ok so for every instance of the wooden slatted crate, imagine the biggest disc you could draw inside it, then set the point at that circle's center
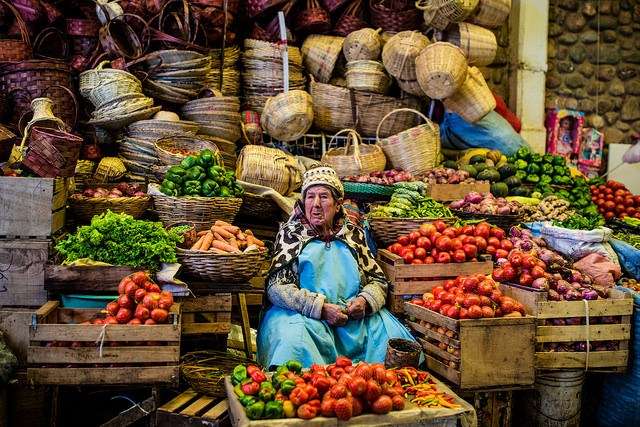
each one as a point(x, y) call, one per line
point(619, 307)
point(409, 280)
point(32, 207)
point(450, 192)
point(194, 410)
point(130, 354)
point(22, 265)
point(67, 278)
point(478, 353)
point(210, 314)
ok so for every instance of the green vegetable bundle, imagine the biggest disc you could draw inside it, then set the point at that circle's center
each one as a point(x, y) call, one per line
point(201, 175)
point(632, 239)
point(119, 239)
point(408, 201)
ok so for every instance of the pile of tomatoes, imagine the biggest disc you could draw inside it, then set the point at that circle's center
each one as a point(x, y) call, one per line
point(140, 301)
point(614, 200)
point(470, 297)
point(436, 242)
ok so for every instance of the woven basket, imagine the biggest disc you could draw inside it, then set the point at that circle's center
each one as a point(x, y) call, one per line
point(206, 370)
point(354, 158)
point(432, 15)
point(82, 27)
point(93, 78)
point(202, 211)
point(441, 69)
point(320, 53)
point(257, 7)
point(491, 13)
point(387, 230)
point(333, 5)
point(52, 153)
point(456, 10)
point(254, 206)
point(269, 167)
point(288, 116)
point(411, 87)
point(414, 150)
point(368, 192)
point(109, 169)
point(400, 52)
point(85, 208)
point(478, 44)
point(14, 50)
point(155, 129)
point(83, 173)
point(368, 76)
point(394, 17)
point(362, 44)
point(114, 90)
point(219, 268)
point(313, 19)
point(474, 99)
point(351, 20)
point(163, 148)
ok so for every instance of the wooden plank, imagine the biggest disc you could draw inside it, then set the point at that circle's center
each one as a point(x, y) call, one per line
point(110, 355)
point(578, 360)
point(217, 411)
point(61, 332)
point(59, 278)
point(208, 303)
point(26, 206)
point(430, 316)
point(579, 333)
point(434, 349)
point(443, 370)
point(197, 406)
point(46, 309)
point(605, 307)
point(431, 333)
point(179, 401)
point(105, 376)
point(132, 414)
point(206, 328)
point(22, 263)
point(251, 298)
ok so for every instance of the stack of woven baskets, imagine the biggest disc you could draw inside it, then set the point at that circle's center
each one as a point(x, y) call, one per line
point(117, 97)
point(320, 54)
point(217, 116)
point(364, 70)
point(263, 73)
point(229, 82)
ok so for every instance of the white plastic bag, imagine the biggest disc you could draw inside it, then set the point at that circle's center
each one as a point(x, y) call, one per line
point(577, 244)
point(632, 155)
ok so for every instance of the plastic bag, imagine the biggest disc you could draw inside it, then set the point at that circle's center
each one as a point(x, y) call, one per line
point(577, 244)
point(600, 268)
point(632, 155)
point(492, 131)
point(629, 257)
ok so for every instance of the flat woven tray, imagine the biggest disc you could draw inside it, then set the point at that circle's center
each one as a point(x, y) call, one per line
point(366, 191)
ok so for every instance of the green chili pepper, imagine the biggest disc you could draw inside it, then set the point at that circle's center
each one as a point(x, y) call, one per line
point(273, 410)
point(237, 389)
point(294, 366)
point(239, 374)
point(255, 411)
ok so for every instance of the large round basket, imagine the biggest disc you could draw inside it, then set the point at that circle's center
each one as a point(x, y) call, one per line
point(414, 150)
point(387, 230)
point(202, 211)
point(364, 44)
point(503, 221)
point(269, 167)
point(288, 116)
point(255, 206)
point(442, 69)
point(165, 148)
point(320, 54)
point(205, 370)
point(474, 99)
point(400, 52)
point(354, 158)
point(491, 13)
point(85, 208)
point(219, 268)
point(478, 44)
point(367, 76)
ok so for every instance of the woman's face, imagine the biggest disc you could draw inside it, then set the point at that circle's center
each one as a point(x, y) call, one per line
point(319, 206)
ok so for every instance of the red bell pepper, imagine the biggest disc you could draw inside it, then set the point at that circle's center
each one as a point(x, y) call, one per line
point(258, 376)
point(250, 388)
point(298, 396)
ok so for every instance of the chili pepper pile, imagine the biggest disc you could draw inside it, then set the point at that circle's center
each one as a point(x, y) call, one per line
point(421, 390)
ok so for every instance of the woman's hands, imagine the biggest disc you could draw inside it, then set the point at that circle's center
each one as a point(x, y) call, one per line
point(357, 307)
point(333, 314)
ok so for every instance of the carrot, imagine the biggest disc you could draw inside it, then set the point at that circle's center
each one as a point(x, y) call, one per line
point(248, 232)
point(219, 223)
point(217, 244)
point(206, 243)
point(231, 229)
point(233, 242)
point(198, 244)
point(222, 231)
point(202, 233)
point(255, 241)
point(241, 236)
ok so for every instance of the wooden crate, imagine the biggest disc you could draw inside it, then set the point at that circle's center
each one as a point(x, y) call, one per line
point(65, 278)
point(493, 353)
point(619, 305)
point(126, 356)
point(22, 264)
point(14, 324)
point(409, 280)
point(194, 410)
point(210, 314)
point(450, 192)
point(32, 207)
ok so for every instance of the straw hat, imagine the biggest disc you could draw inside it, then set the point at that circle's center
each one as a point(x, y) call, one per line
point(322, 175)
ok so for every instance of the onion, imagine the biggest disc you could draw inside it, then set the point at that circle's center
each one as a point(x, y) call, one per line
point(576, 276)
point(473, 197)
point(458, 204)
point(501, 262)
point(562, 287)
point(553, 295)
point(503, 210)
point(540, 283)
point(589, 294)
point(139, 194)
point(116, 192)
point(575, 285)
point(515, 232)
point(88, 192)
point(123, 187)
point(572, 295)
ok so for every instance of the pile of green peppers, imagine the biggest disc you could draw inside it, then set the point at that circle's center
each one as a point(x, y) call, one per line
point(202, 175)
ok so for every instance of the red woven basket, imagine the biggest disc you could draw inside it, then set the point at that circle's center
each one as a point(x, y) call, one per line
point(394, 15)
point(14, 50)
point(82, 27)
point(313, 19)
point(332, 5)
point(52, 152)
point(351, 19)
point(257, 7)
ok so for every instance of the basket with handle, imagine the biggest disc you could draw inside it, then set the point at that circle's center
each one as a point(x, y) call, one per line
point(113, 89)
point(362, 44)
point(351, 19)
point(411, 87)
point(491, 13)
point(441, 69)
point(474, 99)
point(52, 153)
point(90, 79)
point(84, 208)
point(368, 76)
point(269, 167)
point(414, 150)
point(313, 19)
point(109, 169)
point(478, 44)
point(354, 158)
point(194, 145)
point(14, 50)
point(393, 16)
point(400, 52)
point(438, 14)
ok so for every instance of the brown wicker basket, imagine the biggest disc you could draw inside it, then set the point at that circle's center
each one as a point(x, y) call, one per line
point(354, 158)
point(269, 167)
point(218, 268)
point(394, 16)
point(362, 44)
point(14, 50)
point(320, 54)
point(351, 19)
point(288, 116)
point(52, 153)
point(164, 145)
point(387, 230)
point(400, 52)
point(442, 69)
point(202, 211)
point(255, 206)
point(491, 13)
point(478, 44)
point(85, 208)
point(206, 370)
point(474, 99)
point(313, 19)
point(368, 76)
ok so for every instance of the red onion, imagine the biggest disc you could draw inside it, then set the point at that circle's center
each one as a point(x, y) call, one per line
point(540, 283)
point(553, 295)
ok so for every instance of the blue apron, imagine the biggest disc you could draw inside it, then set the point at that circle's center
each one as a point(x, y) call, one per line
point(286, 334)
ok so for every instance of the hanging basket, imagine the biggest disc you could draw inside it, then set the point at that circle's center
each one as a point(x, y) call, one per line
point(478, 44)
point(52, 153)
point(351, 19)
point(364, 44)
point(313, 19)
point(491, 13)
point(400, 52)
point(474, 99)
point(354, 158)
point(269, 167)
point(320, 54)
point(394, 16)
point(441, 70)
point(414, 150)
point(15, 50)
point(288, 116)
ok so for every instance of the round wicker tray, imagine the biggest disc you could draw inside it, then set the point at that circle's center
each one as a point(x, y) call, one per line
point(503, 221)
point(387, 230)
point(202, 211)
point(231, 268)
point(85, 208)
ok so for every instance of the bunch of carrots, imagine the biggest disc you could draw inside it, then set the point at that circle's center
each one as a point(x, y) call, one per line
point(224, 238)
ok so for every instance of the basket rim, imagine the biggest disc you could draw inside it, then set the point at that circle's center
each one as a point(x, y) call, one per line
point(188, 252)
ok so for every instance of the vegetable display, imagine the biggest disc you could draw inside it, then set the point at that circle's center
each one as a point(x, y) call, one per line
point(632, 239)
point(448, 176)
point(383, 178)
point(614, 200)
point(538, 169)
point(470, 297)
point(421, 390)
point(119, 239)
point(121, 190)
point(475, 202)
point(579, 222)
point(438, 243)
point(201, 175)
point(224, 238)
point(409, 201)
point(140, 301)
point(551, 208)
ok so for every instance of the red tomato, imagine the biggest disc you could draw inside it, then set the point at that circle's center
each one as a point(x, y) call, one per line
point(395, 248)
point(456, 244)
point(498, 274)
point(413, 236)
point(475, 312)
point(434, 237)
point(526, 279)
point(403, 240)
point(491, 250)
point(471, 251)
point(444, 308)
point(487, 311)
point(471, 299)
point(481, 243)
point(609, 215)
point(528, 261)
point(631, 211)
point(440, 225)
point(453, 312)
point(464, 313)
point(493, 241)
point(423, 242)
point(429, 260)
point(459, 256)
point(417, 261)
point(501, 253)
point(497, 232)
point(436, 305)
point(628, 201)
point(437, 291)
point(619, 193)
point(484, 288)
point(483, 229)
point(470, 284)
point(427, 229)
point(469, 240)
point(506, 244)
point(620, 209)
point(485, 301)
point(537, 271)
point(467, 229)
point(448, 298)
point(618, 199)
point(443, 258)
point(450, 232)
point(443, 243)
point(509, 272)
point(449, 284)
point(420, 253)
point(408, 256)
point(515, 259)
point(417, 301)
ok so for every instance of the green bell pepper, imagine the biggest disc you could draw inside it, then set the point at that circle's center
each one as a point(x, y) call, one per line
point(532, 178)
point(523, 153)
point(565, 180)
point(560, 170)
point(267, 392)
point(564, 194)
point(521, 164)
point(559, 161)
point(282, 369)
point(169, 191)
point(286, 386)
point(191, 188)
point(215, 172)
point(255, 411)
point(175, 174)
point(294, 366)
point(196, 173)
point(547, 169)
point(521, 174)
point(237, 189)
point(535, 158)
point(547, 158)
point(239, 374)
point(206, 158)
point(533, 168)
point(210, 188)
point(189, 162)
point(224, 192)
point(545, 179)
point(278, 380)
point(248, 401)
point(273, 410)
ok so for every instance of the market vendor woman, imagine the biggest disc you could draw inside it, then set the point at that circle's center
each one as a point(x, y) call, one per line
point(326, 291)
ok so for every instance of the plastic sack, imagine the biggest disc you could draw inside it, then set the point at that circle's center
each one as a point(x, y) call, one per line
point(628, 256)
point(600, 268)
point(577, 244)
point(492, 131)
point(632, 155)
